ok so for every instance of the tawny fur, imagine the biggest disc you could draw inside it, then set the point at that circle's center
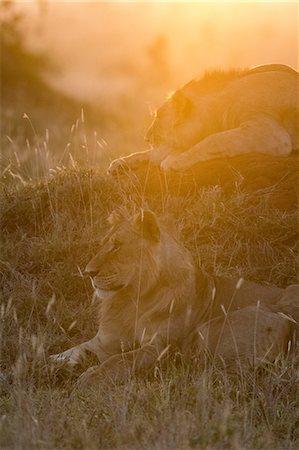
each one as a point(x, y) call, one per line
point(224, 114)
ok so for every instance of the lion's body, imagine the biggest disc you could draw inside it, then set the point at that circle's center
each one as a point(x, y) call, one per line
point(253, 111)
point(152, 298)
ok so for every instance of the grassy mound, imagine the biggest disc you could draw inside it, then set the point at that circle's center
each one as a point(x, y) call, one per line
point(50, 229)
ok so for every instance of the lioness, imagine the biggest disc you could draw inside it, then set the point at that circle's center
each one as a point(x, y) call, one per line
point(224, 114)
point(153, 299)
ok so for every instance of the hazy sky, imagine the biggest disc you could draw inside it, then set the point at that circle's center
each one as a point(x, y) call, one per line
point(110, 49)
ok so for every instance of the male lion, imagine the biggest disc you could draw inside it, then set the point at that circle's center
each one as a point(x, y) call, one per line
point(152, 299)
point(224, 114)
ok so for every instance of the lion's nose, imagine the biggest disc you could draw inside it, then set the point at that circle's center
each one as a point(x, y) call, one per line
point(91, 272)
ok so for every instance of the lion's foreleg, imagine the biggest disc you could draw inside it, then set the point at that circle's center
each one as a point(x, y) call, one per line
point(121, 366)
point(129, 162)
point(259, 135)
point(154, 156)
point(77, 354)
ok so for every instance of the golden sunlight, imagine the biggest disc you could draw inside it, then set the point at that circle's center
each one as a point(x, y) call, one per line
point(124, 58)
point(121, 43)
point(149, 173)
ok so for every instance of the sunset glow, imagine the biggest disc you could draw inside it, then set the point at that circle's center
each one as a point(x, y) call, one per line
point(127, 39)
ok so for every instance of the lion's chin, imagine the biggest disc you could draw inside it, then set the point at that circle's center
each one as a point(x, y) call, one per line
point(104, 294)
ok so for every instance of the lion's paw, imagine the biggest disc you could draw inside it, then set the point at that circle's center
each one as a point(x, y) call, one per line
point(117, 166)
point(173, 162)
point(91, 376)
point(69, 357)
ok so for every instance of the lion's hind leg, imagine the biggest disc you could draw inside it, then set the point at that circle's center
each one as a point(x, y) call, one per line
point(251, 335)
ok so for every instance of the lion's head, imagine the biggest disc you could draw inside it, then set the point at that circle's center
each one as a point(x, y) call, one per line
point(136, 255)
point(171, 125)
point(190, 113)
point(129, 252)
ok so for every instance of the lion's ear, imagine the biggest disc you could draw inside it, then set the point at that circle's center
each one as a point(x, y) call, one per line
point(114, 218)
point(147, 225)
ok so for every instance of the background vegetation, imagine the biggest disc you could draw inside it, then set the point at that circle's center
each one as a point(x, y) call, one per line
point(238, 217)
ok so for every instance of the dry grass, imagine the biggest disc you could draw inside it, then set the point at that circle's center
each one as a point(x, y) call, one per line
point(50, 229)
